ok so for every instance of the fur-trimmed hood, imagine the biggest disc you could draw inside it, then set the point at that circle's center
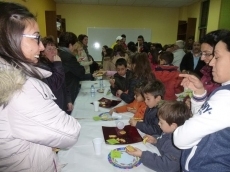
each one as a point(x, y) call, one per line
point(12, 81)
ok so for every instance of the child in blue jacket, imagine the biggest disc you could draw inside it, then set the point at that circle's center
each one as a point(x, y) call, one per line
point(171, 115)
point(153, 93)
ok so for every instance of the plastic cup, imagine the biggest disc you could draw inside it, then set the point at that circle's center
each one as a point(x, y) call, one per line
point(96, 105)
point(97, 144)
point(120, 125)
point(106, 91)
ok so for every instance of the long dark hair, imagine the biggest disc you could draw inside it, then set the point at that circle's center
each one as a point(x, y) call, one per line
point(142, 67)
point(13, 20)
point(212, 38)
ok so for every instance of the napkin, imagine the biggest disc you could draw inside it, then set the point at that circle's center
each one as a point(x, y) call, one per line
point(115, 154)
point(116, 115)
point(112, 141)
point(96, 118)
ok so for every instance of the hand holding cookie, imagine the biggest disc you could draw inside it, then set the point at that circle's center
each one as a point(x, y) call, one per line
point(112, 82)
point(133, 151)
point(132, 110)
point(149, 139)
point(132, 122)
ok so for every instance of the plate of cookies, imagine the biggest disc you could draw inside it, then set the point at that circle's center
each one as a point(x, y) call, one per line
point(127, 135)
point(99, 73)
point(105, 116)
point(119, 158)
point(107, 103)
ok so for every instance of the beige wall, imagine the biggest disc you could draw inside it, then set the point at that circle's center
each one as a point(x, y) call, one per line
point(214, 15)
point(191, 11)
point(162, 21)
point(38, 7)
point(194, 12)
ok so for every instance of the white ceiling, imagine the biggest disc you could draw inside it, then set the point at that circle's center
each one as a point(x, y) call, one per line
point(152, 3)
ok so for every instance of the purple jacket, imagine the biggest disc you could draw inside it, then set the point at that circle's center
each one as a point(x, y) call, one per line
point(207, 79)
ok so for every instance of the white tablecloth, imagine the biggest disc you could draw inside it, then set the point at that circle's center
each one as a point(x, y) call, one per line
point(81, 157)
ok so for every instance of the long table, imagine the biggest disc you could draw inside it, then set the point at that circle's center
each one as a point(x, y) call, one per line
point(81, 157)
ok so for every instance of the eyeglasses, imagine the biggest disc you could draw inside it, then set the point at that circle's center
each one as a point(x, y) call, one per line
point(37, 37)
point(206, 54)
point(51, 49)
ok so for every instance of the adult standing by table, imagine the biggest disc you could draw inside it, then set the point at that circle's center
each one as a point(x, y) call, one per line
point(205, 137)
point(31, 123)
point(74, 72)
point(83, 39)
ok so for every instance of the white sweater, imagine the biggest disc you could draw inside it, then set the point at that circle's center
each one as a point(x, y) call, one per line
point(211, 118)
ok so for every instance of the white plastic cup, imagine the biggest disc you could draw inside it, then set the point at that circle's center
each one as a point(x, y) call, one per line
point(97, 144)
point(96, 106)
point(106, 91)
point(120, 125)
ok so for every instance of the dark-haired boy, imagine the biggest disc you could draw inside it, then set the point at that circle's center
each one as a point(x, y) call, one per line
point(122, 78)
point(169, 76)
point(171, 115)
point(153, 93)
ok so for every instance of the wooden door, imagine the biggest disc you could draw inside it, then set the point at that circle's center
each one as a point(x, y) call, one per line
point(51, 28)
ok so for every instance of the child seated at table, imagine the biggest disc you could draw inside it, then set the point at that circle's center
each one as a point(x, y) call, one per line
point(137, 107)
point(153, 93)
point(121, 79)
point(171, 115)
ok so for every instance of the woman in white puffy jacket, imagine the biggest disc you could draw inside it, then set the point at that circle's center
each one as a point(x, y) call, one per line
point(31, 124)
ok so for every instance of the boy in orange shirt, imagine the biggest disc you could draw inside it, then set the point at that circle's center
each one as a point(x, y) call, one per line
point(137, 107)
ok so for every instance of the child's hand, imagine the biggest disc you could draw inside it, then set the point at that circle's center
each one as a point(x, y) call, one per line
point(119, 92)
point(150, 139)
point(112, 82)
point(132, 110)
point(111, 111)
point(132, 122)
point(137, 152)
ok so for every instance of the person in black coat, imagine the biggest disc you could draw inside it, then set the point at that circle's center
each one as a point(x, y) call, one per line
point(74, 72)
point(192, 62)
point(50, 61)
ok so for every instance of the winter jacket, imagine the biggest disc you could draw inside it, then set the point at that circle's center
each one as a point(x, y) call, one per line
point(56, 82)
point(150, 124)
point(187, 64)
point(206, 146)
point(85, 62)
point(74, 72)
point(129, 97)
point(169, 76)
point(168, 161)
point(31, 124)
point(106, 63)
point(121, 83)
point(207, 79)
point(139, 106)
